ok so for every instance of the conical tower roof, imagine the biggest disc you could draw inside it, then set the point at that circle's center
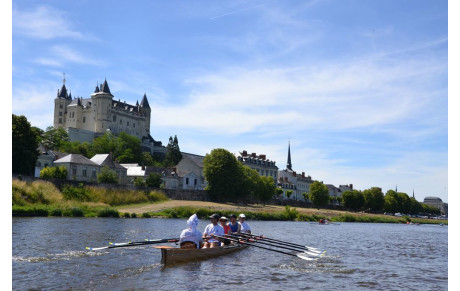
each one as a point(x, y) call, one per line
point(145, 102)
point(289, 164)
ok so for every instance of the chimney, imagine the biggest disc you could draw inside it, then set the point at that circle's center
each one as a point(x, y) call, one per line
point(245, 153)
point(254, 155)
point(294, 174)
point(263, 157)
point(303, 174)
point(143, 168)
point(351, 186)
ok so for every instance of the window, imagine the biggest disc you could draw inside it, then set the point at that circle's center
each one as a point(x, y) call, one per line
point(60, 106)
point(195, 182)
point(60, 113)
point(84, 119)
point(121, 121)
point(134, 125)
point(60, 120)
point(94, 173)
point(114, 118)
point(84, 172)
point(74, 170)
point(127, 123)
point(186, 181)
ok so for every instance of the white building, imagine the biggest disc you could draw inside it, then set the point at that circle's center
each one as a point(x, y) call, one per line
point(260, 163)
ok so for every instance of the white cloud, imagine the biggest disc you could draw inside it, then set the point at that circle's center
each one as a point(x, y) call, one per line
point(45, 22)
point(62, 55)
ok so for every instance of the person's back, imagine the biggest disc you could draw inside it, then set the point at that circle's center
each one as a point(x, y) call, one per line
point(191, 237)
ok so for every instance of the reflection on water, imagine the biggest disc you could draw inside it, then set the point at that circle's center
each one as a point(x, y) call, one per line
point(49, 253)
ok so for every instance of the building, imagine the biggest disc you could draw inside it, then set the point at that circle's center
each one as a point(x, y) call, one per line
point(46, 158)
point(86, 118)
point(291, 180)
point(80, 168)
point(190, 172)
point(436, 202)
point(260, 163)
point(168, 175)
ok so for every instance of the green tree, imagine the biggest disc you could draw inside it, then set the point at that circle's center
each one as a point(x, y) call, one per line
point(139, 182)
point(54, 172)
point(154, 180)
point(353, 199)
point(76, 147)
point(104, 144)
point(24, 146)
point(319, 193)
point(373, 199)
point(305, 196)
point(224, 175)
point(55, 138)
point(268, 189)
point(416, 207)
point(289, 193)
point(107, 176)
point(148, 160)
point(279, 192)
point(127, 148)
point(173, 155)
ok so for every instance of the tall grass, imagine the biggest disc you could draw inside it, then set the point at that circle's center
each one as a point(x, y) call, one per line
point(41, 192)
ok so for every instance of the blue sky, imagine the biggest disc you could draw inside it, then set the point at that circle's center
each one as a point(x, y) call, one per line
point(358, 87)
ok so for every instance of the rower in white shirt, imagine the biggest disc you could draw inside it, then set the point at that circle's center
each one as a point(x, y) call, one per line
point(213, 229)
point(244, 225)
point(190, 237)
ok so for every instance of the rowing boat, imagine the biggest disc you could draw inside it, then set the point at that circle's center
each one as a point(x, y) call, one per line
point(171, 255)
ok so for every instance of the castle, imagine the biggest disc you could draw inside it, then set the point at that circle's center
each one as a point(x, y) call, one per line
point(87, 118)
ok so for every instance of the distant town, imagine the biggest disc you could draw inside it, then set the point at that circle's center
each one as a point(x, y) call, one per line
point(85, 119)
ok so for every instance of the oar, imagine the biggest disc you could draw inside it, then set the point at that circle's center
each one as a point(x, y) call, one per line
point(140, 242)
point(273, 244)
point(257, 246)
point(280, 242)
point(132, 244)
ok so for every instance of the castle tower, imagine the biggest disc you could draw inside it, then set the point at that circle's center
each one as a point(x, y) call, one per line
point(60, 106)
point(102, 104)
point(145, 107)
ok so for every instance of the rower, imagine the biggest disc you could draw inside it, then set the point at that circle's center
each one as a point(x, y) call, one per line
point(190, 237)
point(213, 229)
point(244, 226)
point(235, 227)
point(223, 223)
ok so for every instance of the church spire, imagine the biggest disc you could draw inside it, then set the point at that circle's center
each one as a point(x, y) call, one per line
point(289, 164)
point(144, 102)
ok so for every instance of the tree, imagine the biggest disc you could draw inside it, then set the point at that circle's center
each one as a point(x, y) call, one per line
point(24, 143)
point(373, 199)
point(305, 196)
point(154, 180)
point(54, 172)
point(104, 144)
point(148, 160)
point(107, 176)
point(397, 202)
point(55, 138)
point(139, 182)
point(353, 199)
point(319, 193)
point(416, 207)
point(289, 194)
point(268, 189)
point(279, 192)
point(173, 155)
point(76, 147)
point(127, 148)
point(224, 175)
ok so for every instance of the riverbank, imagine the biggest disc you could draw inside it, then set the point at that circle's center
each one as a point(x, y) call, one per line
point(41, 198)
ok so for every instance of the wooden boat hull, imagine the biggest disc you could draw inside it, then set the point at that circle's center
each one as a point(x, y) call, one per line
point(176, 255)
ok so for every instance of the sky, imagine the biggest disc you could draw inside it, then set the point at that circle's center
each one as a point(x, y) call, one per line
point(358, 88)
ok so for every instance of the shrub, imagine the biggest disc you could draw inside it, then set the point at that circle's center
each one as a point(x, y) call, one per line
point(107, 176)
point(76, 193)
point(289, 213)
point(154, 180)
point(133, 215)
point(56, 212)
point(76, 212)
point(108, 212)
point(155, 196)
point(139, 182)
point(29, 211)
point(146, 215)
point(126, 215)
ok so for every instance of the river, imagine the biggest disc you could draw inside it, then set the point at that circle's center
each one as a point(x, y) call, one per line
point(49, 254)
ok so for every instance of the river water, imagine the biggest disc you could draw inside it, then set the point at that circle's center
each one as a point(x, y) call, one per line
point(49, 253)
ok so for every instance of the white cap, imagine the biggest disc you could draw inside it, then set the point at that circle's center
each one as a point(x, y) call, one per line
point(242, 215)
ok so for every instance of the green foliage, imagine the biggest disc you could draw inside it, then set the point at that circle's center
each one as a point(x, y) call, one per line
point(133, 215)
point(157, 196)
point(79, 193)
point(225, 175)
point(74, 212)
point(290, 213)
point(107, 176)
point(108, 212)
point(126, 215)
point(146, 215)
point(55, 138)
point(54, 172)
point(279, 192)
point(128, 148)
point(139, 182)
point(56, 212)
point(148, 160)
point(289, 193)
point(154, 180)
point(397, 202)
point(29, 211)
point(319, 194)
point(76, 147)
point(353, 199)
point(373, 199)
point(24, 146)
point(173, 154)
point(305, 195)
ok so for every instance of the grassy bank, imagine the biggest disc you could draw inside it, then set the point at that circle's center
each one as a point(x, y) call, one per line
point(289, 214)
point(42, 198)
